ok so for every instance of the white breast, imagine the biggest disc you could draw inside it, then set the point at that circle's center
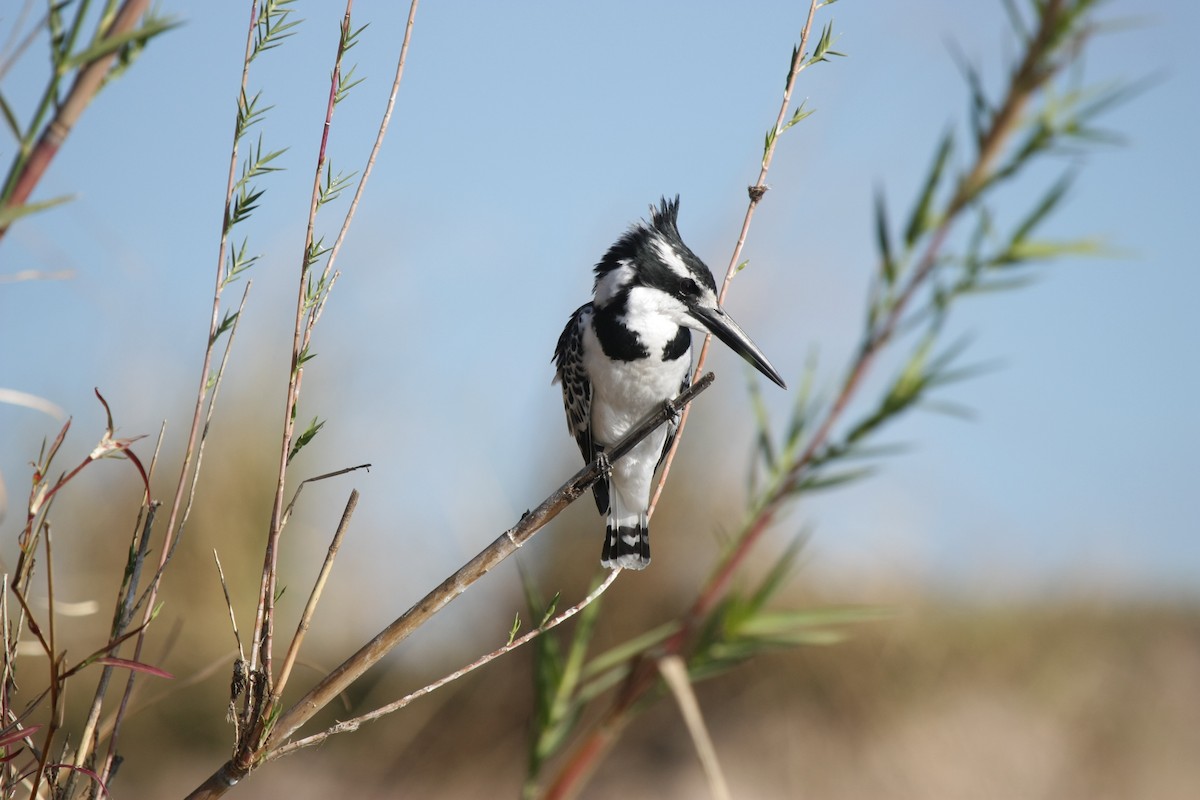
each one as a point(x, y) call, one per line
point(624, 392)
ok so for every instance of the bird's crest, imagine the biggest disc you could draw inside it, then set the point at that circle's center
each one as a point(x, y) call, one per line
point(664, 223)
point(665, 218)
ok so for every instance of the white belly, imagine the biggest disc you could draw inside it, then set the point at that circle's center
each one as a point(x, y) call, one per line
point(625, 392)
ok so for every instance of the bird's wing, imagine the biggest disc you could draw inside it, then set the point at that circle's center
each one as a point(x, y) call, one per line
point(576, 388)
point(577, 393)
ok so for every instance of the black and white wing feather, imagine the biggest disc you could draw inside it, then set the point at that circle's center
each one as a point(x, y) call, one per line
point(577, 393)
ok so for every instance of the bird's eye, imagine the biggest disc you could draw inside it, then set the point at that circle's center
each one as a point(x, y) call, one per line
point(689, 288)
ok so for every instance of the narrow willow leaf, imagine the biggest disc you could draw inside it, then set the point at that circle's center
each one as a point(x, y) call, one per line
point(762, 422)
point(10, 214)
point(805, 408)
point(887, 263)
point(351, 38)
point(980, 111)
point(627, 650)
point(1042, 209)
point(779, 622)
point(273, 26)
point(111, 44)
point(301, 441)
point(949, 409)
point(551, 607)
point(564, 710)
point(791, 67)
point(823, 45)
point(11, 119)
point(1014, 19)
point(801, 113)
point(1042, 250)
point(226, 323)
point(993, 285)
point(784, 566)
point(345, 84)
point(920, 220)
point(818, 483)
point(768, 143)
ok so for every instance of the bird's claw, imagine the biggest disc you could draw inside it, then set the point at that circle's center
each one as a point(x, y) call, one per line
point(673, 413)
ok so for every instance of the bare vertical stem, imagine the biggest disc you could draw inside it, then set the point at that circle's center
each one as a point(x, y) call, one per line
point(315, 596)
point(260, 651)
point(757, 191)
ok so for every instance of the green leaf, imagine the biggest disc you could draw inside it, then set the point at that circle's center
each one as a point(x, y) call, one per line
point(10, 214)
point(887, 263)
point(226, 323)
point(1042, 210)
point(1043, 250)
point(273, 26)
point(784, 566)
point(801, 113)
point(816, 483)
point(111, 44)
point(9, 117)
point(805, 407)
point(350, 38)
point(304, 438)
point(1015, 20)
point(633, 647)
point(921, 219)
point(345, 84)
point(551, 607)
point(781, 623)
point(768, 143)
point(762, 423)
point(823, 45)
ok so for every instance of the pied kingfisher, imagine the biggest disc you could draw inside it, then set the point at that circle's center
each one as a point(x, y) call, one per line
point(627, 352)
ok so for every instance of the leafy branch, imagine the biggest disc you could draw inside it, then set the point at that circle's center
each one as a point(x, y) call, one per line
point(918, 280)
point(120, 34)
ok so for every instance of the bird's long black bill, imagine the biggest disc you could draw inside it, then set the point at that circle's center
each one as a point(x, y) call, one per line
point(721, 325)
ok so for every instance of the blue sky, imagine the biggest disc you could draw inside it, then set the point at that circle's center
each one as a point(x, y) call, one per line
point(526, 138)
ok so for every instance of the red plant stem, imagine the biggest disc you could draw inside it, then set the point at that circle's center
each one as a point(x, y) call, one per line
point(87, 83)
point(264, 618)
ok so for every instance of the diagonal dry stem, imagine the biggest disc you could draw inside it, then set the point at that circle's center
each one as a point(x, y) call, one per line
point(675, 674)
point(501, 548)
point(346, 726)
point(315, 596)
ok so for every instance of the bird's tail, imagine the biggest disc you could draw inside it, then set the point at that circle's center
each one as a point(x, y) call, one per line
point(626, 542)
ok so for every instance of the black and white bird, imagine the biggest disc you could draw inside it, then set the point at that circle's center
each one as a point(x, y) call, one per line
point(627, 352)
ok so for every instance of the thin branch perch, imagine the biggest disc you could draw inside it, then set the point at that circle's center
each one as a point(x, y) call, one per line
point(501, 548)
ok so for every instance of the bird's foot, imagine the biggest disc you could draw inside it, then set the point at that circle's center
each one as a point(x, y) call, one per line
point(604, 464)
point(673, 413)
